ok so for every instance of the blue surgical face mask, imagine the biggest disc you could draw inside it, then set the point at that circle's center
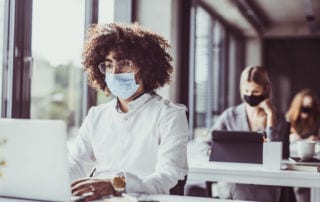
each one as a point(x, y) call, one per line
point(122, 85)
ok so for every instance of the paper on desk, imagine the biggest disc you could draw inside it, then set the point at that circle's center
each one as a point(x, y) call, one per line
point(127, 199)
point(118, 199)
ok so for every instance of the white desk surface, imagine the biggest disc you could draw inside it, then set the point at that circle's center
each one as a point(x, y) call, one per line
point(200, 169)
point(250, 174)
point(161, 198)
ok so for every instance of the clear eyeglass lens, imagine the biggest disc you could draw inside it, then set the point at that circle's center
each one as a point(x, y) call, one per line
point(123, 66)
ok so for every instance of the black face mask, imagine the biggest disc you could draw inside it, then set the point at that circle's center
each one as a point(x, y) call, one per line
point(253, 100)
point(306, 110)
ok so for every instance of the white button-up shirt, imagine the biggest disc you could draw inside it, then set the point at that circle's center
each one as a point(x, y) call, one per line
point(148, 144)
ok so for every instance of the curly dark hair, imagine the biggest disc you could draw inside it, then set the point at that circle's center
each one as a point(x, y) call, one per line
point(147, 50)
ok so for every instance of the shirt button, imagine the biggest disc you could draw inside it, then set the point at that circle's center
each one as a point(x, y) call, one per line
point(126, 118)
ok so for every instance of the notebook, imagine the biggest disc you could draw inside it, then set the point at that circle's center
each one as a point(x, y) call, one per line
point(236, 146)
point(35, 156)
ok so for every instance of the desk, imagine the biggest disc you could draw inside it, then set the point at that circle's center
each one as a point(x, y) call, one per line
point(162, 198)
point(201, 169)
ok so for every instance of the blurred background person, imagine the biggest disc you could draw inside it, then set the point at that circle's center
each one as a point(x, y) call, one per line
point(304, 116)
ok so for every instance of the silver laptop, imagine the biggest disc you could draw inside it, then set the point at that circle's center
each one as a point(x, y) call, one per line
point(35, 155)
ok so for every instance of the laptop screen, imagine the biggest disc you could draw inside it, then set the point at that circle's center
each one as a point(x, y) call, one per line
point(35, 155)
point(236, 146)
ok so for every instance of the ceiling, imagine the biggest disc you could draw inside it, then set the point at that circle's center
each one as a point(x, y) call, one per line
point(269, 18)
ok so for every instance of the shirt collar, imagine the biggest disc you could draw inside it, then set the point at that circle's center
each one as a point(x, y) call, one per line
point(136, 103)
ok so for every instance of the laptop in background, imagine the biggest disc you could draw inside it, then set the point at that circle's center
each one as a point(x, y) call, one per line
point(236, 146)
point(36, 165)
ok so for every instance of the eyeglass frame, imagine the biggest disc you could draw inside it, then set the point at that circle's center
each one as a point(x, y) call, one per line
point(114, 64)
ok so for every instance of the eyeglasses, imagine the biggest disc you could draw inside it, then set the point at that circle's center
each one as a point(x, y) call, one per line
point(122, 66)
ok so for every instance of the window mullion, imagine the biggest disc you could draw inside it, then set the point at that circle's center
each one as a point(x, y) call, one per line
point(89, 96)
point(16, 95)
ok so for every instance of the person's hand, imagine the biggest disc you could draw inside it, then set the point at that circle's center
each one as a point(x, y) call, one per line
point(313, 138)
point(269, 109)
point(92, 188)
point(294, 137)
point(267, 106)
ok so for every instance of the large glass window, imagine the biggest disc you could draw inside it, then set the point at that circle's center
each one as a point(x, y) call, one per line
point(106, 11)
point(57, 41)
point(1, 47)
point(106, 15)
point(216, 64)
point(202, 68)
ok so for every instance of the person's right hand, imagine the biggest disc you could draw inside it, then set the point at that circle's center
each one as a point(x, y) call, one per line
point(267, 107)
point(270, 111)
point(94, 188)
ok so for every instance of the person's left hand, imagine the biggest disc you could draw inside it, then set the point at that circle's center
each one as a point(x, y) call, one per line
point(96, 188)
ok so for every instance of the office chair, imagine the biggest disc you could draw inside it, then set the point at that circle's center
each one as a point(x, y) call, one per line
point(287, 193)
point(178, 189)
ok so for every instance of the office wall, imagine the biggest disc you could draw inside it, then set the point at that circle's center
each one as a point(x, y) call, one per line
point(294, 64)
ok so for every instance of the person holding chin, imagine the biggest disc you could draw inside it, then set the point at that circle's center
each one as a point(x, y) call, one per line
point(137, 142)
point(255, 113)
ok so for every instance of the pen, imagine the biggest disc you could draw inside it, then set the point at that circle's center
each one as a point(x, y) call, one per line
point(92, 172)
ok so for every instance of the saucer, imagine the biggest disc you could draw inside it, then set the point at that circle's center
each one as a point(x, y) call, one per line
point(297, 159)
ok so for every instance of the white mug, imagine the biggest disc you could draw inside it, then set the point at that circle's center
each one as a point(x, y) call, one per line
point(306, 149)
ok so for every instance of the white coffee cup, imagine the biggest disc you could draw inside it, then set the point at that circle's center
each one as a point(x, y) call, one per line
point(306, 149)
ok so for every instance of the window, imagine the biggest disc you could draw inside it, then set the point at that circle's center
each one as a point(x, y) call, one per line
point(106, 15)
point(1, 47)
point(57, 41)
point(57, 78)
point(202, 68)
point(213, 76)
point(106, 11)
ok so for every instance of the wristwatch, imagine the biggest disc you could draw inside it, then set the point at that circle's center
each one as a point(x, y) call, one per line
point(119, 184)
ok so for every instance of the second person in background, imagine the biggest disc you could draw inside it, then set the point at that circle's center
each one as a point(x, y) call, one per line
point(304, 116)
point(256, 113)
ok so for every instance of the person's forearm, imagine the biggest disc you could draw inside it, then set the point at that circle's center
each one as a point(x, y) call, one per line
point(270, 120)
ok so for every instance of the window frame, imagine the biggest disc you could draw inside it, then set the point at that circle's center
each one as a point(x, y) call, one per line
point(218, 82)
point(17, 56)
point(17, 60)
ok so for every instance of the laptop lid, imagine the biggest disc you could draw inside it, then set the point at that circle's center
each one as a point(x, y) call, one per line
point(236, 146)
point(35, 155)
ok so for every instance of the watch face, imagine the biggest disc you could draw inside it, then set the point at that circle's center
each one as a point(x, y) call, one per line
point(119, 183)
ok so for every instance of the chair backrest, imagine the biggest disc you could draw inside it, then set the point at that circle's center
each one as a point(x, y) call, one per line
point(286, 142)
point(178, 189)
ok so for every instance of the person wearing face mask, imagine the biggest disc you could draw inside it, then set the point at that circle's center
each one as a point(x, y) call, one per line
point(304, 116)
point(256, 113)
point(137, 142)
